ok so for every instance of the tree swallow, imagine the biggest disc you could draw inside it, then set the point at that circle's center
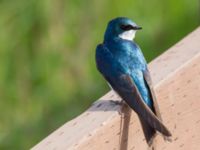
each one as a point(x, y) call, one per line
point(121, 62)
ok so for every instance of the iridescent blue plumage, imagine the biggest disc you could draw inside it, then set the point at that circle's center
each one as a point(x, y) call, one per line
point(122, 64)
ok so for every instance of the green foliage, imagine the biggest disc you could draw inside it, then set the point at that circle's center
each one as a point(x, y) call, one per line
point(47, 67)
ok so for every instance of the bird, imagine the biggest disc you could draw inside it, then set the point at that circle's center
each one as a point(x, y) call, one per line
point(121, 62)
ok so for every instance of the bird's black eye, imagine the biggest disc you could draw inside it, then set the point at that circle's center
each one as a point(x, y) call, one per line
point(126, 27)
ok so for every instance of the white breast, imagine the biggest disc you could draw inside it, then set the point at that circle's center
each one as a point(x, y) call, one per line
point(128, 35)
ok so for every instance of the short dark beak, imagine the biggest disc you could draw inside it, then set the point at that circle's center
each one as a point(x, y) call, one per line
point(136, 28)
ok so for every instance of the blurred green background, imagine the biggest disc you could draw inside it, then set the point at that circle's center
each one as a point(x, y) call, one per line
point(47, 65)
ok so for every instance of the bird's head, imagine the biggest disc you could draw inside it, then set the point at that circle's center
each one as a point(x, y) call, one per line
point(121, 27)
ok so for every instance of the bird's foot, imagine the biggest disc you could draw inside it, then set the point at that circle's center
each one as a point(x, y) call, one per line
point(117, 102)
point(122, 104)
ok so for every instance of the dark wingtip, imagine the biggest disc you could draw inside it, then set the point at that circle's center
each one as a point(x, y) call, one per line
point(165, 132)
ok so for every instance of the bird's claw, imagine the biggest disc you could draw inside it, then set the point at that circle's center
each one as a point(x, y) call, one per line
point(116, 102)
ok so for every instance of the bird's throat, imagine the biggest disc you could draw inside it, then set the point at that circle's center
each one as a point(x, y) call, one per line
point(128, 35)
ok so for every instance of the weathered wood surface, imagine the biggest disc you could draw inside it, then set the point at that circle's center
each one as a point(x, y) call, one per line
point(105, 126)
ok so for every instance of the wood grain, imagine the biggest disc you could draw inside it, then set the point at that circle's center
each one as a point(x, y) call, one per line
point(107, 126)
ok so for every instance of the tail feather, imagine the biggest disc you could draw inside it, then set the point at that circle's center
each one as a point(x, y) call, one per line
point(149, 132)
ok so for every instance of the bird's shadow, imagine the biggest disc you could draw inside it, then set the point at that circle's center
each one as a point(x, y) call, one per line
point(125, 112)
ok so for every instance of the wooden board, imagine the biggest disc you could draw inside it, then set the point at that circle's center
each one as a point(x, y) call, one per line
point(105, 126)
